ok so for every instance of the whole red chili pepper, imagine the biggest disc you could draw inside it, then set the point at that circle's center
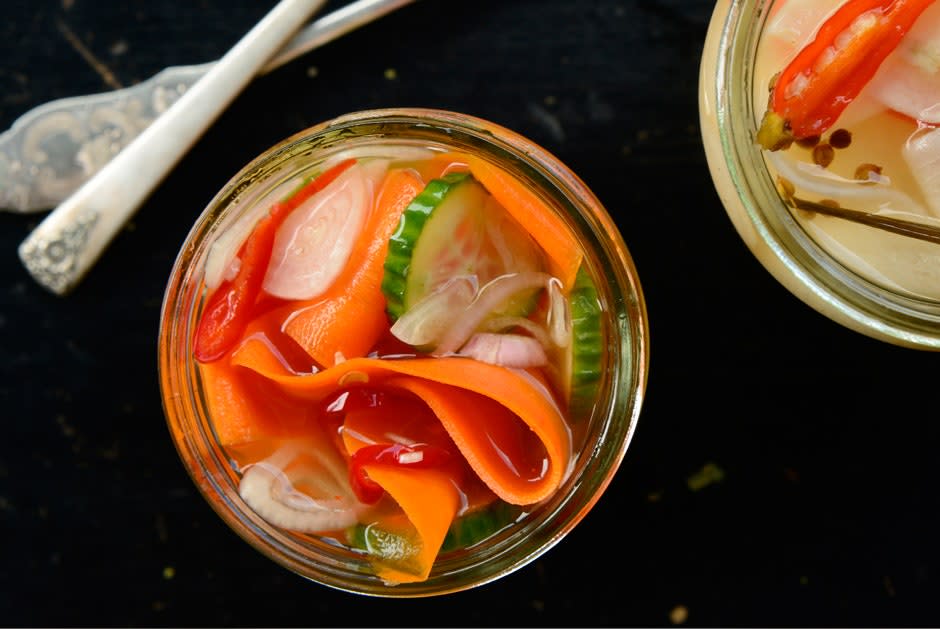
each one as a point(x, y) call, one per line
point(418, 456)
point(829, 72)
point(227, 310)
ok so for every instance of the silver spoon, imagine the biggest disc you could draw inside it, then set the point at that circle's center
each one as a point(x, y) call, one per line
point(52, 149)
point(67, 243)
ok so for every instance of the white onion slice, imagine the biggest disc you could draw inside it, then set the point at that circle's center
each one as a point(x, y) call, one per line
point(905, 264)
point(496, 292)
point(314, 242)
point(507, 350)
point(793, 23)
point(223, 251)
point(908, 81)
point(816, 179)
point(559, 314)
point(426, 321)
point(501, 324)
point(268, 489)
point(922, 154)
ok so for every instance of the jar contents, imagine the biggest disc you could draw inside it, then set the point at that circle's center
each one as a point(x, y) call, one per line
point(399, 352)
point(851, 131)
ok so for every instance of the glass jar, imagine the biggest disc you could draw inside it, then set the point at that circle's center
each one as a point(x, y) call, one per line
point(747, 42)
point(604, 435)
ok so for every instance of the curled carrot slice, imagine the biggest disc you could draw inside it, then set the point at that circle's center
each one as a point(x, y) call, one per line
point(506, 454)
point(473, 400)
point(430, 502)
point(428, 498)
point(245, 408)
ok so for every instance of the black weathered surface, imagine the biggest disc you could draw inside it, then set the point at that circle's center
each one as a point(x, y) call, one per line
point(827, 511)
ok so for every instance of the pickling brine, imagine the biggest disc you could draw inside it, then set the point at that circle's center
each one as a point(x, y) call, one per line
point(850, 96)
point(403, 352)
point(399, 348)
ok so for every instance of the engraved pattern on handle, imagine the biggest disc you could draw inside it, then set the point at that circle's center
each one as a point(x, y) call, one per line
point(114, 194)
point(51, 150)
point(54, 259)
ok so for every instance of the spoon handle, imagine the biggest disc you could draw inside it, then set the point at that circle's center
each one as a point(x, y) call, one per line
point(332, 26)
point(70, 239)
point(55, 147)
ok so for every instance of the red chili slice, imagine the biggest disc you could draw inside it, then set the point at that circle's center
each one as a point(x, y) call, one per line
point(228, 309)
point(814, 89)
point(418, 456)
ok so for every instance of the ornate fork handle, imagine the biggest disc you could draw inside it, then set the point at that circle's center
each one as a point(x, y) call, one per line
point(53, 149)
point(68, 242)
point(71, 238)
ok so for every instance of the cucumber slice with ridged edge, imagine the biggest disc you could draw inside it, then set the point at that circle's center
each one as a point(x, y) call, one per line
point(585, 355)
point(396, 548)
point(455, 227)
point(443, 233)
point(424, 250)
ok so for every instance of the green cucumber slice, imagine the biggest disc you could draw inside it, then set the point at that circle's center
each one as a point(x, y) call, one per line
point(476, 526)
point(397, 549)
point(452, 228)
point(581, 363)
point(439, 235)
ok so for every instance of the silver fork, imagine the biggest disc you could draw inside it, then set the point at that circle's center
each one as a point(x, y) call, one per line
point(99, 156)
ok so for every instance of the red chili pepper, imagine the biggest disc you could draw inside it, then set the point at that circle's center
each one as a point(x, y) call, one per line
point(227, 311)
point(334, 408)
point(814, 89)
point(418, 456)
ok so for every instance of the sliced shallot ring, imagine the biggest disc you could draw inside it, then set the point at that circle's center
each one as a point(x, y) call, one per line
point(559, 314)
point(501, 324)
point(496, 292)
point(506, 350)
point(267, 488)
point(313, 244)
point(224, 250)
point(427, 320)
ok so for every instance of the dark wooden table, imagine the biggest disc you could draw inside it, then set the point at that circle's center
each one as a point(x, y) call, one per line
point(827, 441)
